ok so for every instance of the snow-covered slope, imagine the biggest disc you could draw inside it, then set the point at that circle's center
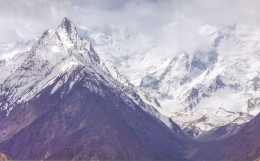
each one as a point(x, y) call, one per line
point(31, 71)
point(200, 90)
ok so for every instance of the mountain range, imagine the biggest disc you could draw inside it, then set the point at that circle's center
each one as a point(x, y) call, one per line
point(195, 88)
point(60, 101)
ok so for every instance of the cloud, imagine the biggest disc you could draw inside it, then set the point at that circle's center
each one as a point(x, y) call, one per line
point(166, 21)
point(25, 19)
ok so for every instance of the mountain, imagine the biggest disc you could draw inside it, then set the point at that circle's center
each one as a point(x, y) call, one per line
point(245, 145)
point(221, 132)
point(60, 102)
point(195, 88)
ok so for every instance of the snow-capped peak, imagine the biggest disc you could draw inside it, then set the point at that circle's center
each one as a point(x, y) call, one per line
point(57, 51)
point(65, 37)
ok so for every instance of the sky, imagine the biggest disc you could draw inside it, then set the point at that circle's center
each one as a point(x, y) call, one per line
point(171, 20)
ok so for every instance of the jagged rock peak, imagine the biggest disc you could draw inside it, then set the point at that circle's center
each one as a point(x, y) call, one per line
point(65, 38)
point(67, 25)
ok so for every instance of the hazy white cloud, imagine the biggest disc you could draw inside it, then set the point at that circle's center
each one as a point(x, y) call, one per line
point(168, 21)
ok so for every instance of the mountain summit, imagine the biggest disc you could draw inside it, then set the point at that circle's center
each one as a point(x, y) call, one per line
point(68, 26)
point(58, 102)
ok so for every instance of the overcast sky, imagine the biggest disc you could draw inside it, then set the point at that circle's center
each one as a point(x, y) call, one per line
point(24, 19)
